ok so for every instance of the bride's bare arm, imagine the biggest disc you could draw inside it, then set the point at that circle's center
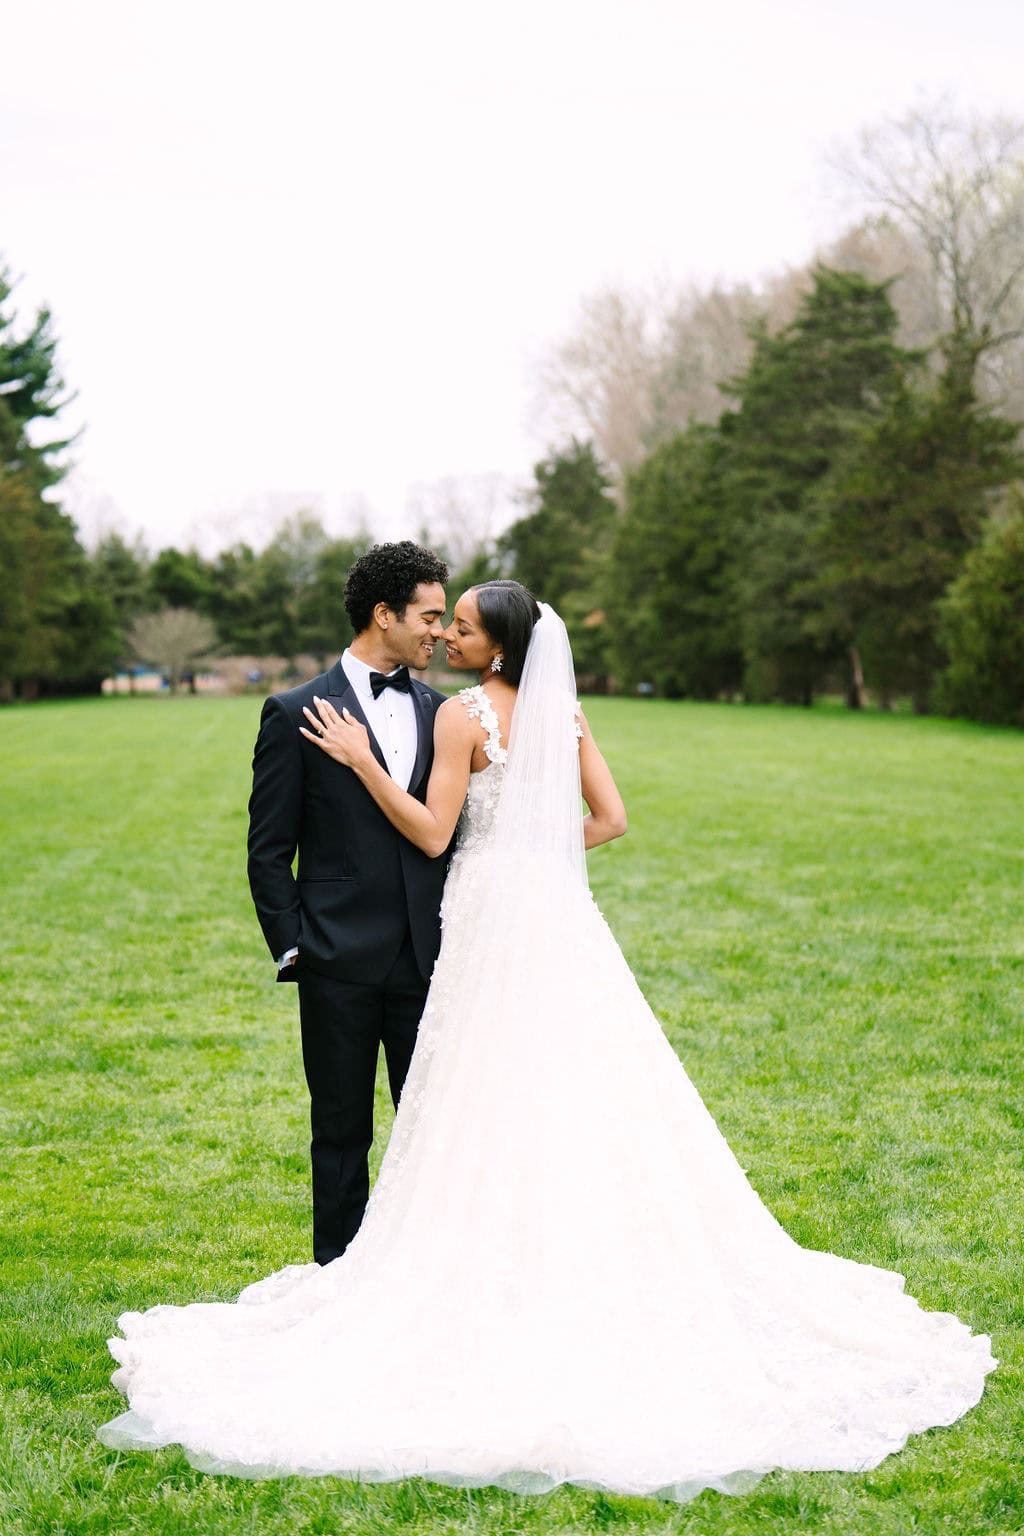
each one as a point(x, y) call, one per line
point(607, 818)
point(429, 826)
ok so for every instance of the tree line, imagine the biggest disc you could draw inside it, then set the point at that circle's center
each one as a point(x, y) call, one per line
point(852, 522)
point(816, 488)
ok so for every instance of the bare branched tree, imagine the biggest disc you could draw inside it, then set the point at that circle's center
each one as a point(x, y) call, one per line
point(707, 341)
point(462, 515)
point(956, 185)
point(705, 344)
point(599, 381)
point(940, 201)
point(171, 640)
point(635, 368)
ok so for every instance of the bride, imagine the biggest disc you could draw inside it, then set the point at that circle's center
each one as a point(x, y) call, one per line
point(563, 1274)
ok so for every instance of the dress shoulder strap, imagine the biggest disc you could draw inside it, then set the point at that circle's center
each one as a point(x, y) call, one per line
point(479, 707)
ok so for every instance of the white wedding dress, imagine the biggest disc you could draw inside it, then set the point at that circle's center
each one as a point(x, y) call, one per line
point(563, 1274)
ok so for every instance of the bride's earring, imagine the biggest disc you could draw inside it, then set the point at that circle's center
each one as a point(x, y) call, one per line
point(496, 664)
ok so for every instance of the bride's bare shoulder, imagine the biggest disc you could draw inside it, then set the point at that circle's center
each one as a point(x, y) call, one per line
point(457, 720)
point(484, 717)
point(452, 713)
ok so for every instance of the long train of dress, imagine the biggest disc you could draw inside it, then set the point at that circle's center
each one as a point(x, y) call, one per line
point(563, 1274)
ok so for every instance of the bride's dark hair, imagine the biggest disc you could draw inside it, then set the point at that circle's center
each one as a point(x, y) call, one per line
point(508, 613)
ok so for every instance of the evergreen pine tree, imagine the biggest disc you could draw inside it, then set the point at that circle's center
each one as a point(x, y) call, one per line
point(670, 581)
point(808, 391)
point(559, 549)
point(898, 518)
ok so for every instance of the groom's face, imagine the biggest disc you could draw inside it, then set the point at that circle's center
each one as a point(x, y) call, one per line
point(412, 637)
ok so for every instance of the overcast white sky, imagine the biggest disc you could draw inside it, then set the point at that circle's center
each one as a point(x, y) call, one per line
point(310, 253)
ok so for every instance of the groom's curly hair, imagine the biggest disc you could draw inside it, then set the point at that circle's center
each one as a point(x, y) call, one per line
point(389, 573)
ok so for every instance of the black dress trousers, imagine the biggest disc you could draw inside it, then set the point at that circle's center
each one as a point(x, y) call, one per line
point(344, 1024)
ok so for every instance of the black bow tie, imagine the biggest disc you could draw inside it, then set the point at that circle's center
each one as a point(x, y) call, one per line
point(381, 680)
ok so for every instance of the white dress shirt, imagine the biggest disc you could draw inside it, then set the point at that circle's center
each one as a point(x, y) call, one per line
point(392, 719)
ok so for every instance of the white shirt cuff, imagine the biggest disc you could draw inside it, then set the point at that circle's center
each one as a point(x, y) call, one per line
point(286, 958)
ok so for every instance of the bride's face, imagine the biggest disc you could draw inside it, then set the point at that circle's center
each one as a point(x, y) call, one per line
point(470, 648)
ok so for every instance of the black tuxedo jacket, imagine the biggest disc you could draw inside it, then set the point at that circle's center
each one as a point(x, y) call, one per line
point(360, 885)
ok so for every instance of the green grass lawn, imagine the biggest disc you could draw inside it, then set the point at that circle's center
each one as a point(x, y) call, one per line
point(824, 910)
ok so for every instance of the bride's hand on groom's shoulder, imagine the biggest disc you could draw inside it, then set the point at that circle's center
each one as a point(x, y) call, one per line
point(342, 736)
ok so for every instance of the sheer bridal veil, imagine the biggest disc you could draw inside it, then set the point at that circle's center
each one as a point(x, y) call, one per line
point(539, 828)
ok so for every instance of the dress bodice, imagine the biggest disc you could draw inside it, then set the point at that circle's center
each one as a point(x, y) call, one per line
point(479, 814)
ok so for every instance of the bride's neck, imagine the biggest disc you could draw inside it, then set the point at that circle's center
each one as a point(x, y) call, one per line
point(495, 684)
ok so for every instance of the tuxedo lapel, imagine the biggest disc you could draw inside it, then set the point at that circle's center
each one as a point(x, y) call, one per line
point(424, 734)
point(343, 696)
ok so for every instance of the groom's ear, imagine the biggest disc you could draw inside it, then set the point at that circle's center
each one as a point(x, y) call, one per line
point(382, 615)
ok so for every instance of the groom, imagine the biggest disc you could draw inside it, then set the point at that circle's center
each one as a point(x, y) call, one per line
point(358, 927)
